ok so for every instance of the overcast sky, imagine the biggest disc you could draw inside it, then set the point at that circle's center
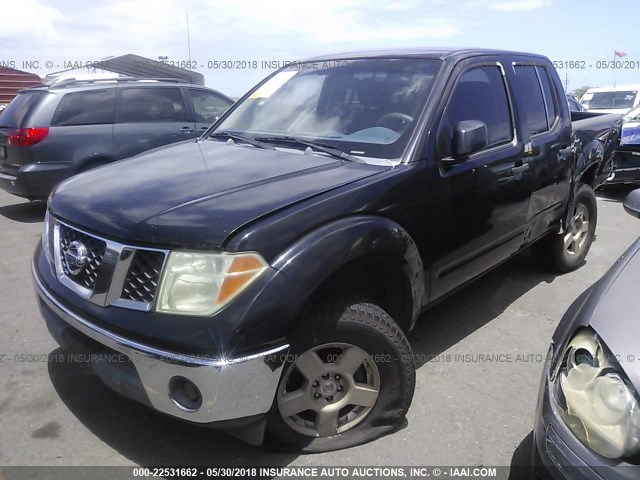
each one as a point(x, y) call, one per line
point(271, 30)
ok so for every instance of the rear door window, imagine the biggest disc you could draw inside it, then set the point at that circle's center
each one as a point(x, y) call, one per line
point(91, 107)
point(534, 106)
point(148, 105)
point(19, 108)
point(549, 96)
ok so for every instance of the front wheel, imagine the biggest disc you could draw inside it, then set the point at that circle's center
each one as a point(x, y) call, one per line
point(349, 385)
point(564, 252)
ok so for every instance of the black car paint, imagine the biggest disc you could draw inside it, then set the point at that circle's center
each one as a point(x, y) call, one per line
point(311, 216)
point(599, 135)
point(217, 189)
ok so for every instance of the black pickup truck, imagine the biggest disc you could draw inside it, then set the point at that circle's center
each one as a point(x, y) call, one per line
point(263, 278)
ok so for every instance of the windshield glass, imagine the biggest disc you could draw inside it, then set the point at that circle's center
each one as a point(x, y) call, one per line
point(601, 100)
point(364, 107)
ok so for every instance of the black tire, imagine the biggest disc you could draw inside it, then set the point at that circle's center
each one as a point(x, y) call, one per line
point(552, 251)
point(370, 329)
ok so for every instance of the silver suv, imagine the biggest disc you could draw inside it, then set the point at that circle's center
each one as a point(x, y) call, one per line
point(51, 132)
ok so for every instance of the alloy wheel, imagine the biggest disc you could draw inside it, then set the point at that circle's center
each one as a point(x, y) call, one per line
point(576, 239)
point(328, 389)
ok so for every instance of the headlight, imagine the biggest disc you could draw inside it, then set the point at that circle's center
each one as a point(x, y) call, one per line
point(46, 238)
point(598, 403)
point(196, 283)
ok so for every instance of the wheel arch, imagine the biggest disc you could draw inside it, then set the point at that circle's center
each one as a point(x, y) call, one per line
point(366, 257)
point(589, 162)
point(93, 162)
point(589, 175)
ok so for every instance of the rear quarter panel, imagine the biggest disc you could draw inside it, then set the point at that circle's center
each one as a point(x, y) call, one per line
point(76, 145)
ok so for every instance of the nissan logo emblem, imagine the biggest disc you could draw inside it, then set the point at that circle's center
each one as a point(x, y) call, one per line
point(75, 257)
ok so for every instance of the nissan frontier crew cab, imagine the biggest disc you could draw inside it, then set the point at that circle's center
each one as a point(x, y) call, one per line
point(264, 277)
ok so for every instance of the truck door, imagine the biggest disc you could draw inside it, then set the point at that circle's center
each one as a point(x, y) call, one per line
point(478, 203)
point(545, 133)
point(150, 117)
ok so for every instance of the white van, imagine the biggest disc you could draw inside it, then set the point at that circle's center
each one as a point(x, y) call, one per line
point(618, 99)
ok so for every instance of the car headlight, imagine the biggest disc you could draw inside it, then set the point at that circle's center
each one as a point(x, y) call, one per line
point(46, 237)
point(200, 283)
point(598, 403)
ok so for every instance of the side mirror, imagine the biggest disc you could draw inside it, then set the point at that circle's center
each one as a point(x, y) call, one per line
point(632, 203)
point(469, 136)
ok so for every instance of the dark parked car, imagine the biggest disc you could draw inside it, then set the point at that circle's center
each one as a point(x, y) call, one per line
point(265, 276)
point(574, 105)
point(627, 158)
point(588, 418)
point(51, 132)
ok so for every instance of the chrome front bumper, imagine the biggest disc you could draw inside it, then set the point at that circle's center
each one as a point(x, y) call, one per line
point(230, 388)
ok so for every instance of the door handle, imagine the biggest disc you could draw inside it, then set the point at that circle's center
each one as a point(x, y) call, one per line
point(187, 130)
point(520, 169)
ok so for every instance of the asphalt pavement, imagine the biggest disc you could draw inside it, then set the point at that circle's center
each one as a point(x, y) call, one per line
point(481, 354)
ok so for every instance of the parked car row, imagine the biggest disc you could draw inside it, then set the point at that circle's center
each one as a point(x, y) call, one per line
point(263, 277)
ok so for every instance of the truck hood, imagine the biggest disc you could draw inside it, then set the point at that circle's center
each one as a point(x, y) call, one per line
point(195, 194)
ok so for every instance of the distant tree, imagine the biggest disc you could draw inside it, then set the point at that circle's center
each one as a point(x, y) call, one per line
point(578, 92)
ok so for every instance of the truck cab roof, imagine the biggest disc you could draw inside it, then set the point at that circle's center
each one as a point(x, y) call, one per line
point(442, 53)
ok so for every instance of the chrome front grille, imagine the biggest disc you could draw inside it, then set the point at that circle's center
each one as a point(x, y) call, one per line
point(106, 272)
point(85, 274)
point(142, 279)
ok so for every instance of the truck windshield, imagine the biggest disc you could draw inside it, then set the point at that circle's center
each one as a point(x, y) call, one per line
point(363, 107)
point(617, 99)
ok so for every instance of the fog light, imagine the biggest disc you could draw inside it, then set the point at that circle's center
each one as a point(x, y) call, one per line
point(185, 394)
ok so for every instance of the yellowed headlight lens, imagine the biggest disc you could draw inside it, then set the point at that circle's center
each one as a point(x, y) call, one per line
point(200, 283)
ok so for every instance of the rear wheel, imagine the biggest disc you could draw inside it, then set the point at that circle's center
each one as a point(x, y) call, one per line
point(344, 386)
point(564, 252)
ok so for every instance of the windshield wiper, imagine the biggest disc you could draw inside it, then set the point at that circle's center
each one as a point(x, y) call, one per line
point(319, 146)
point(242, 138)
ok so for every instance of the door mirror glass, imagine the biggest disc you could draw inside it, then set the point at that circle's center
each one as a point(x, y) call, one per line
point(470, 136)
point(632, 203)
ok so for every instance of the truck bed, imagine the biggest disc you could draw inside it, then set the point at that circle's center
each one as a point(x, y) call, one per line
point(597, 133)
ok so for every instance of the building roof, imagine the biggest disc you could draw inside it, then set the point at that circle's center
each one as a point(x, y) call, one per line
point(137, 66)
point(12, 80)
